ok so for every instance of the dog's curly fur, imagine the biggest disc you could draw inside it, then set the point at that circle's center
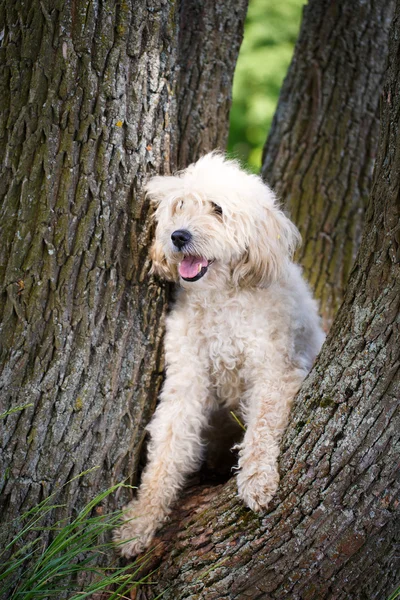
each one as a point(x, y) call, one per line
point(243, 333)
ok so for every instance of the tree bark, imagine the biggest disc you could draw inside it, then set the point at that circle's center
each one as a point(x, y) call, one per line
point(333, 529)
point(209, 41)
point(320, 152)
point(93, 102)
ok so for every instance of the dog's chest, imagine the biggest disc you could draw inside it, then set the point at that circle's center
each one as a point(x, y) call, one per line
point(223, 338)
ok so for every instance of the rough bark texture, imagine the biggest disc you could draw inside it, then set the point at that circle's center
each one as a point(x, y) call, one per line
point(92, 103)
point(207, 53)
point(322, 145)
point(333, 530)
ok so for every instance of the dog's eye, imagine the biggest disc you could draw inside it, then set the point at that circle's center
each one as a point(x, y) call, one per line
point(177, 206)
point(217, 209)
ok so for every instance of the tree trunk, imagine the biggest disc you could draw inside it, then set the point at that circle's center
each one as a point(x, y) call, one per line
point(333, 530)
point(322, 145)
point(93, 100)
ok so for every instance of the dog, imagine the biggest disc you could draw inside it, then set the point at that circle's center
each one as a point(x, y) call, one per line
point(243, 333)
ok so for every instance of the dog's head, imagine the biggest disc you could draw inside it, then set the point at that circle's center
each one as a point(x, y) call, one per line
point(217, 224)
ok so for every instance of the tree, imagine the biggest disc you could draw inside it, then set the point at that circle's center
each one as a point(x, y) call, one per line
point(95, 97)
point(333, 529)
point(338, 472)
point(321, 149)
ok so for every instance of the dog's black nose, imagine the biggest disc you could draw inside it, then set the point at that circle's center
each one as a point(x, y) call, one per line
point(180, 237)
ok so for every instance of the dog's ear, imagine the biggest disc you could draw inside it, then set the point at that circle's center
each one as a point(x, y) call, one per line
point(159, 265)
point(161, 186)
point(269, 251)
point(158, 188)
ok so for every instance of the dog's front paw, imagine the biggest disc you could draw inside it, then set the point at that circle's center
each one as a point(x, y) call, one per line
point(138, 529)
point(257, 486)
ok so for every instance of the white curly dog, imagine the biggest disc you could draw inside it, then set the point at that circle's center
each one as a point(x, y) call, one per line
point(243, 333)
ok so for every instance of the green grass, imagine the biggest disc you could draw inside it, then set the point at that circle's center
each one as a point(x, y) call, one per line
point(238, 421)
point(395, 594)
point(271, 30)
point(14, 410)
point(37, 569)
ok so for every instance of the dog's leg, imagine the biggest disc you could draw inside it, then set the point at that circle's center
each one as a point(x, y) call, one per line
point(267, 412)
point(175, 450)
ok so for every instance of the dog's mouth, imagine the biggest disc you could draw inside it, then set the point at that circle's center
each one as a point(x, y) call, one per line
point(193, 268)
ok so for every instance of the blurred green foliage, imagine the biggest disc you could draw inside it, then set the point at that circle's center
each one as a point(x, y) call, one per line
point(271, 30)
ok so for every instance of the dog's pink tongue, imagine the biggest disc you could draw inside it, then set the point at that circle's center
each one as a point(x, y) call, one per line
point(191, 266)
